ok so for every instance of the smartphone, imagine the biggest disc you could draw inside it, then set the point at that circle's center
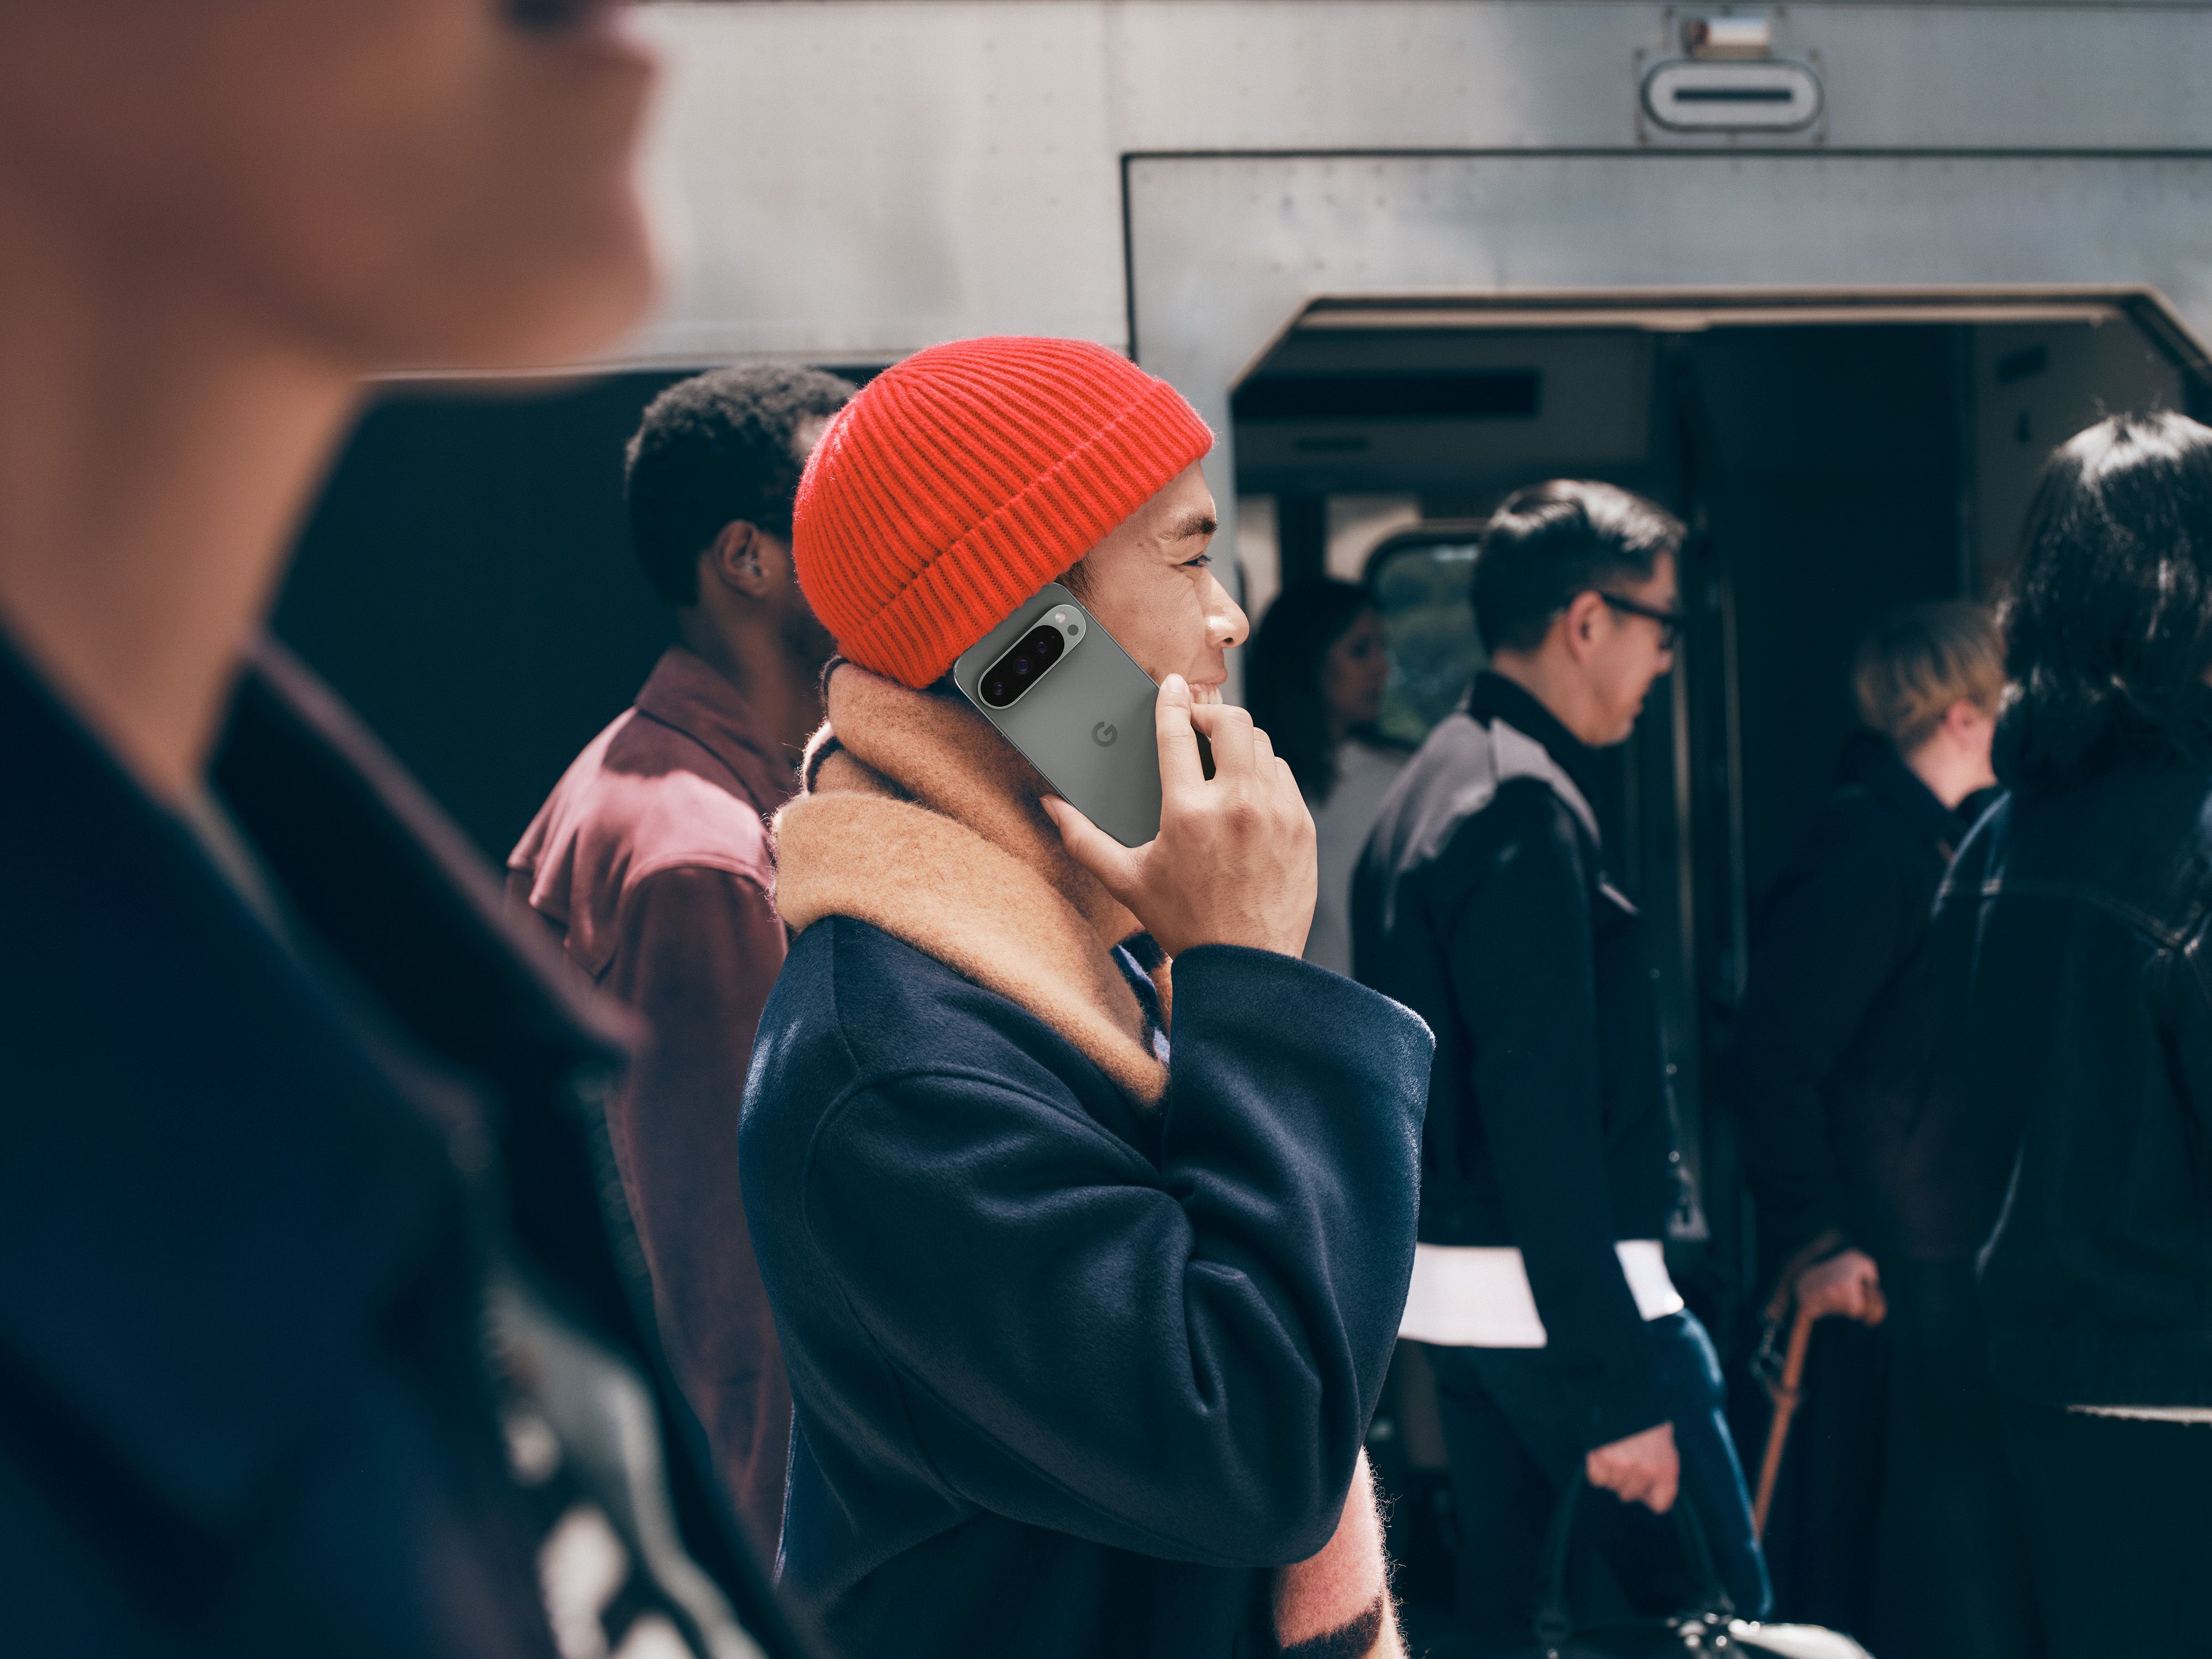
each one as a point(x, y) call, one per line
point(1063, 691)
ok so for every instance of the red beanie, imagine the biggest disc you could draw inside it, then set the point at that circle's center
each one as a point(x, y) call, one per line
point(959, 481)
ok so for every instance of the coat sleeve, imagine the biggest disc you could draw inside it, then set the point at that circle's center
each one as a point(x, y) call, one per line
point(698, 952)
point(1825, 951)
point(1178, 1360)
point(1523, 981)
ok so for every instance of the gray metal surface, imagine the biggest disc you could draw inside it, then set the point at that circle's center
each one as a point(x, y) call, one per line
point(849, 182)
point(1226, 250)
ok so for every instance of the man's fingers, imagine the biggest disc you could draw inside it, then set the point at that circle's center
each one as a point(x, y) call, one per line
point(1663, 1493)
point(1114, 865)
point(1229, 729)
point(1180, 770)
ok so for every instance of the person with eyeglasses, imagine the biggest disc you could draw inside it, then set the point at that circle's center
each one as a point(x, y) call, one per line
point(1549, 1158)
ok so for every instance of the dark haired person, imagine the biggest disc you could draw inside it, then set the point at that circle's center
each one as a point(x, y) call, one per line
point(1893, 1518)
point(1314, 683)
point(1549, 1167)
point(1085, 1206)
point(2078, 911)
point(315, 1337)
point(650, 862)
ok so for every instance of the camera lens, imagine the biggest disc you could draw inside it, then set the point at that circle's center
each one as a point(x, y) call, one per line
point(1007, 678)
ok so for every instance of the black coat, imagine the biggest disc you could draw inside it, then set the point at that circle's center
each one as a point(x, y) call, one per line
point(1069, 1376)
point(2078, 911)
point(1549, 1128)
point(255, 1180)
point(1831, 1062)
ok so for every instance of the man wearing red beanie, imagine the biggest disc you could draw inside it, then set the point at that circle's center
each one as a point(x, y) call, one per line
point(1084, 1328)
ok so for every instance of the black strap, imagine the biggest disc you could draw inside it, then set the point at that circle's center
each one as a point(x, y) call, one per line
point(1555, 1624)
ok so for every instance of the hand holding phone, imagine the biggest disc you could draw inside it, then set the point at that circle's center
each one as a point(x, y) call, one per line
point(1233, 863)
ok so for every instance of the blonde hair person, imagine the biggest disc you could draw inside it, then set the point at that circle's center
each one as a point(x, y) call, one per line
point(1872, 1191)
point(1929, 677)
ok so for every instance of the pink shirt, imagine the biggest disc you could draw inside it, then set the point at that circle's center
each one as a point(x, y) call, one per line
point(651, 862)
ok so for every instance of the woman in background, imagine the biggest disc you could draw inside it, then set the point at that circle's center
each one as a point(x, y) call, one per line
point(1314, 683)
point(2079, 908)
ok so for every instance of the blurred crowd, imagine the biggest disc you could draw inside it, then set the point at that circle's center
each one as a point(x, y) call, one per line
point(835, 1198)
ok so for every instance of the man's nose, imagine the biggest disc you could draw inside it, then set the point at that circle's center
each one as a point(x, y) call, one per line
point(1225, 619)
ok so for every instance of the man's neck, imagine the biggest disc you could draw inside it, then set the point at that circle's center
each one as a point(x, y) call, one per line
point(1561, 693)
point(785, 696)
point(153, 460)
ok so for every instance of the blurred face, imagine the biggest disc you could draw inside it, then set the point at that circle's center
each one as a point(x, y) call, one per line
point(377, 184)
point(1627, 652)
point(1354, 673)
point(1969, 734)
point(1151, 582)
point(1976, 728)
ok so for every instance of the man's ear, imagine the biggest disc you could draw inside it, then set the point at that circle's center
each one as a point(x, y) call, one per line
point(1579, 624)
point(739, 559)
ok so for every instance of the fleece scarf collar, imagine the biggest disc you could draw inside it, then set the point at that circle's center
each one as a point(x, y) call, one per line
point(918, 818)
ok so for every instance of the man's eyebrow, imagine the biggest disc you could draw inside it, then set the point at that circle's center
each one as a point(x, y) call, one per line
point(1197, 524)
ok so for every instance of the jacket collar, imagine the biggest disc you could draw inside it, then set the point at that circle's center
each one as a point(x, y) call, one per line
point(1492, 697)
point(1869, 761)
point(218, 1173)
point(921, 820)
point(685, 692)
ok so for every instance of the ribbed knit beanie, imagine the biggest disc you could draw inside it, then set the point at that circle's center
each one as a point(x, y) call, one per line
point(962, 480)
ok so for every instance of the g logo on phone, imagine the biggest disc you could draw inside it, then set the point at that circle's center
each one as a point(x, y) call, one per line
point(1104, 734)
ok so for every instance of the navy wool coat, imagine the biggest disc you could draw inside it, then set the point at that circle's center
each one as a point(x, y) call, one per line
point(1072, 1374)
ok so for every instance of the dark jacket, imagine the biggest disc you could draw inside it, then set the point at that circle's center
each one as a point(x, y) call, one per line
point(1831, 1056)
point(1070, 1373)
point(1481, 904)
point(650, 862)
point(271, 1145)
point(2078, 911)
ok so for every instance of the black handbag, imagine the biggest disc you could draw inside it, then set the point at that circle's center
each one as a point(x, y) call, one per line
point(1709, 1628)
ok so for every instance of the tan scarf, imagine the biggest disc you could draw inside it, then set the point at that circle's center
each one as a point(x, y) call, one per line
point(918, 818)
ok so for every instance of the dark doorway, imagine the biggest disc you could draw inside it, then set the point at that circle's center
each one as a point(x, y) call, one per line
point(465, 582)
point(1829, 467)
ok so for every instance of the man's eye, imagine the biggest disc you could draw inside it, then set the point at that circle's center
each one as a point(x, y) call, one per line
point(1198, 564)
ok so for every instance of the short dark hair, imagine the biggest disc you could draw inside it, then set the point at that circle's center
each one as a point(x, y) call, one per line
point(2108, 630)
point(712, 450)
point(1550, 541)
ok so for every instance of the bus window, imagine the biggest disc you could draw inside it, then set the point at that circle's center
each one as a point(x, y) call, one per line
point(1419, 579)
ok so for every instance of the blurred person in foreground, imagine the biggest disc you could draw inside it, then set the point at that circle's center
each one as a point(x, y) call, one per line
point(1549, 1168)
point(2078, 912)
point(1894, 1518)
point(315, 1337)
point(1315, 683)
point(1084, 1207)
point(650, 862)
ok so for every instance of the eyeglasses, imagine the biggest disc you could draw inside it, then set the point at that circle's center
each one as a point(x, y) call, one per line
point(1670, 621)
